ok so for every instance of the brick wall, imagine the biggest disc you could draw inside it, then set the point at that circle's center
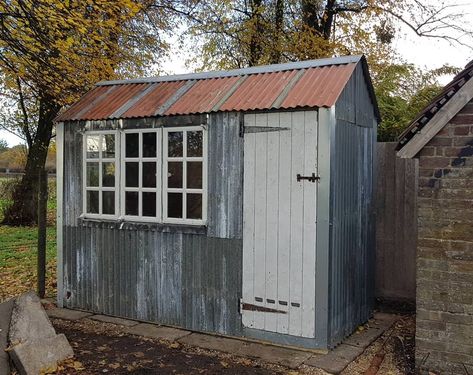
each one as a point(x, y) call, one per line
point(444, 336)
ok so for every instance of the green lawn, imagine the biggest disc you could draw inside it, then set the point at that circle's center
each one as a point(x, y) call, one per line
point(18, 253)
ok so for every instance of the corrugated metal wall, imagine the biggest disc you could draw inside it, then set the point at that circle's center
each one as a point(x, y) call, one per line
point(176, 276)
point(352, 237)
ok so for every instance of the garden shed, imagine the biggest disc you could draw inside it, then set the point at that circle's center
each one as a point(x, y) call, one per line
point(441, 139)
point(238, 202)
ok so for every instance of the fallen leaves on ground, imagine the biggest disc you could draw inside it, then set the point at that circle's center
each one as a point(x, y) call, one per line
point(18, 261)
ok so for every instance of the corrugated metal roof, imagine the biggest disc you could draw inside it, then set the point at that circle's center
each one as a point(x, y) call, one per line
point(310, 84)
point(435, 105)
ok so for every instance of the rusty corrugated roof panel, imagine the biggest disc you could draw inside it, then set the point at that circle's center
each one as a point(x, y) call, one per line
point(203, 96)
point(114, 100)
point(155, 99)
point(311, 84)
point(74, 112)
point(319, 87)
point(259, 91)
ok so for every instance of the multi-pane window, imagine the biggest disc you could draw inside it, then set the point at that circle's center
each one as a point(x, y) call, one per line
point(141, 183)
point(183, 166)
point(155, 175)
point(100, 174)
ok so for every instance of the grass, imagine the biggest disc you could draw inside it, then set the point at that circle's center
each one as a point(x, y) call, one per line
point(18, 251)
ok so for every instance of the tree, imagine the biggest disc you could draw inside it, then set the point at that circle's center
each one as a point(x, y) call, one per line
point(238, 33)
point(3, 145)
point(51, 52)
point(403, 90)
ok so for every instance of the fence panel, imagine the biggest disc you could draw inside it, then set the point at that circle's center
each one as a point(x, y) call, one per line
point(396, 225)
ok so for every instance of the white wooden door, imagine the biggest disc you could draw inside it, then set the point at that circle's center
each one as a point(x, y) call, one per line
point(279, 222)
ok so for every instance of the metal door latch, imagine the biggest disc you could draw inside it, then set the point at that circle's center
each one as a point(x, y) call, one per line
point(312, 178)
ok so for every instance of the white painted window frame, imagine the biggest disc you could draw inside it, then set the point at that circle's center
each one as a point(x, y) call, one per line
point(140, 160)
point(100, 188)
point(161, 178)
point(184, 190)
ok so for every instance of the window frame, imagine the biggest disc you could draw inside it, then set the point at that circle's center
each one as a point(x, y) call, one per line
point(100, 188)
point(161, 188)
point(184, 190)
point(158, 190)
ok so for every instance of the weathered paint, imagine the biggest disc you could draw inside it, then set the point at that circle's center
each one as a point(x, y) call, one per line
point(192, 276)
point(279, 223)
point(225, 212)
point(185, 280)
point(183, 276)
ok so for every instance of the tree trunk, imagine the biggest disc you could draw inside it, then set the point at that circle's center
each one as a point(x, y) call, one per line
point(323, 23)
point(256, 40)
point(275, 55)
point(24, 209)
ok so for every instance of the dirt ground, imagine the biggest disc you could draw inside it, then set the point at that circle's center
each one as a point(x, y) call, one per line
point(102, 348)
point(395, 348)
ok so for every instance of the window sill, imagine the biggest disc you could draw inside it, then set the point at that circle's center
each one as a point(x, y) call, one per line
point(142, 226)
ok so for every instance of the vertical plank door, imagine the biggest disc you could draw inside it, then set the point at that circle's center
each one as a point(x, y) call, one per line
point(279, 222)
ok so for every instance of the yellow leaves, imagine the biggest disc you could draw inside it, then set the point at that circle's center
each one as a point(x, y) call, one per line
point(64, 47)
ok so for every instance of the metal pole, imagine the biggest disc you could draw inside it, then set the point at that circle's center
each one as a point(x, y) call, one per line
point(42, 216)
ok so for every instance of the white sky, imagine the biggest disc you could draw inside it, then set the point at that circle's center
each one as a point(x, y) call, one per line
point(424, 52)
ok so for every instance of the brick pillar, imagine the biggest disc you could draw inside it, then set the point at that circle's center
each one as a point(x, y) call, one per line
point(444, 333)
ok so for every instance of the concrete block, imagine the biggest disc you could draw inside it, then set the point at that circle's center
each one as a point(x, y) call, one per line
point(33, 341)
point(210, 342)
point(335, 361)
point(67, 314)
point(33, 358)
point(114, 320)
point(5, 315)
point(29, 321)
point(273, 354)
point(157, 332)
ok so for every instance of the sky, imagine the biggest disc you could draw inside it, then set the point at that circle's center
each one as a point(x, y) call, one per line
point(426, 53)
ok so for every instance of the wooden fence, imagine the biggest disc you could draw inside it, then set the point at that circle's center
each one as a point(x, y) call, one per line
point(396, 224)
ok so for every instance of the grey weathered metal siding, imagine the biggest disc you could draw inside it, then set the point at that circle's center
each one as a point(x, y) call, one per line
point(225, 176)
point(352, 237)
point(183, 277)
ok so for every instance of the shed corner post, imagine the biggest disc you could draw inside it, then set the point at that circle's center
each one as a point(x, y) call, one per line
point(326, 131)
point(59, 210)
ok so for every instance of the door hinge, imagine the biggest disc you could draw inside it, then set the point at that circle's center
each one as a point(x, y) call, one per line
point(312, 178)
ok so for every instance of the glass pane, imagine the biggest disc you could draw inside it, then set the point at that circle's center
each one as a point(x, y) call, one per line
point(175, 205)
point(108, 146)
point(131, 145)
point(149, 145)
point(108, 203)
point(131, 174)
point(175, 174)
point(194, 175)
point(149, 174)
point(92, 174)
point(194, 143)
point(175, 144)
point(131, 203)
point(108, 174)
point(92, 142)
point(194, 206)
point(149, 204)
point(93, 202)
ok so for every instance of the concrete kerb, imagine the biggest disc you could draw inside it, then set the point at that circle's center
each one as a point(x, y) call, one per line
point(333, 361)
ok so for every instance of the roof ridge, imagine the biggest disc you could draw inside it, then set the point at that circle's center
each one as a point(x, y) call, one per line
point(239, 72)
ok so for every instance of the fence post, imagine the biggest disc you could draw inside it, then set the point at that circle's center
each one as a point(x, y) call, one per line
point(42, 217)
